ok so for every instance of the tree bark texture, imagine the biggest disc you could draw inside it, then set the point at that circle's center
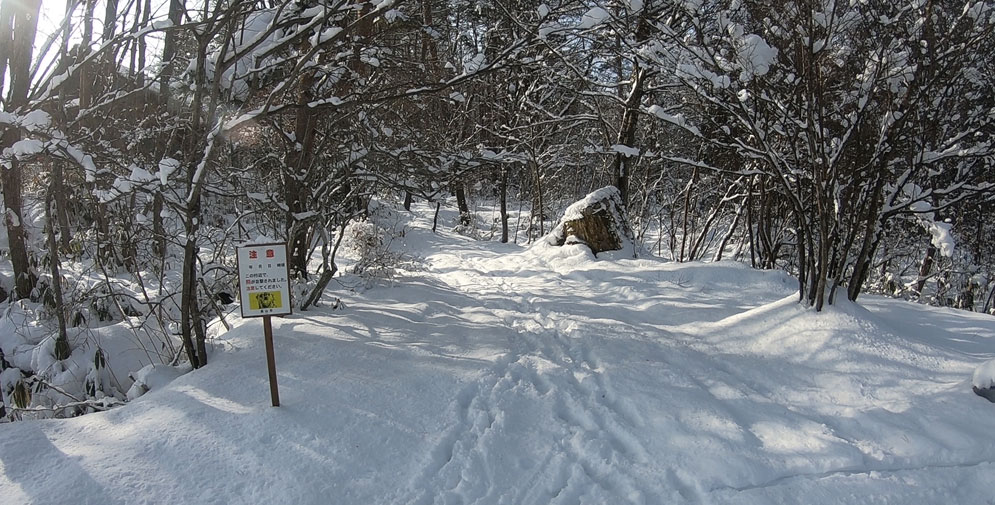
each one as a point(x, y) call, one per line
point(20, 21)
point(504, 205)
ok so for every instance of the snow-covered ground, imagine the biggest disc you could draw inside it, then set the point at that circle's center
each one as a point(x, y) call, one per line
point(494, 374)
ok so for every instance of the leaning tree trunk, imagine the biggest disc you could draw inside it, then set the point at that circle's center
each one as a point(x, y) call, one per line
point(730, 232)
point(873, 226)
point(328, 261)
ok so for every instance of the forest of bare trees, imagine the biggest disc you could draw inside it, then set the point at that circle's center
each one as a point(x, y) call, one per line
point(848, 143)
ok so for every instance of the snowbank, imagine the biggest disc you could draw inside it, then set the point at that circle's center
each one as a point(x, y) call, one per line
point(984, 375)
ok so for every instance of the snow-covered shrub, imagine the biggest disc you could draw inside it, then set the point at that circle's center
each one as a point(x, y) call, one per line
point(101, 306)
point(368, 243)
point(46, 375)
point(13, 391)
point(888, 284)
point(363, 238)
point(472, 229)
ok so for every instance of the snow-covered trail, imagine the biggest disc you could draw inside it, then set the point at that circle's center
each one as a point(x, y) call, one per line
point(496, 375)
point(722, 403)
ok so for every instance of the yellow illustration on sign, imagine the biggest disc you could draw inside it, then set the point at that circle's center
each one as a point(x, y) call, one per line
point(265, 300)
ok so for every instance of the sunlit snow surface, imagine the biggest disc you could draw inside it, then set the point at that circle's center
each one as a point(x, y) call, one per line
point(501, 375)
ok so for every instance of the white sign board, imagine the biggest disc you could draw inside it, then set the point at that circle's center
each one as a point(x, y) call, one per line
point(264, 280)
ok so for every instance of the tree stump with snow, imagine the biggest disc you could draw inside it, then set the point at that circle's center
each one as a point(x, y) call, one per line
point(986, 393)
point(597, 221)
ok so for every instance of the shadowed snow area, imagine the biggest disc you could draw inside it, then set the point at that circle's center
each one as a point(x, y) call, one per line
point(502, 375)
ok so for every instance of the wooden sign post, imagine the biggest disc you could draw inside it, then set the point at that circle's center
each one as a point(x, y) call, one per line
point(264, 291)
point(274, 390)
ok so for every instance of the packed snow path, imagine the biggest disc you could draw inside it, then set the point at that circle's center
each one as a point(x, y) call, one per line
point(701, 419)
point(496, 375)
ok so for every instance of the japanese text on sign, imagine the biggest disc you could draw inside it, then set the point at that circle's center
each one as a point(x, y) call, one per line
point(264, 282)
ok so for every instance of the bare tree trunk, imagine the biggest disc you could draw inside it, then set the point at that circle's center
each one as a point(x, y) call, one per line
point(822, 269)
point(749, 223)
point(698, 247)
point(54, 264)
point(176, 8)
point(142, 45)
point(925, 269)
point(158, 230)
point(24, 278)
point(464, 209)
point(542, 214)
point(6, 38)
point(872, 231)
point(988, 300)
point(188, 295)
point(731, 231)
point(85, 71)
point(298, 161)
point(504, 205)
point(687, 212)
point(20, 21)
point(800, 237)
point(110, 19)
point(622, 163)
point(61, 203)
point(191, 319)
point(328, 260)
point(429, 49)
